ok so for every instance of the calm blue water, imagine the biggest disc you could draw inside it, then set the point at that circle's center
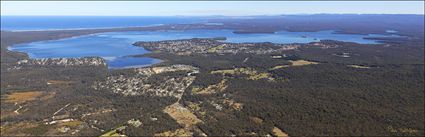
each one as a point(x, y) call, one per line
point(279, 37)
point(20, 23)
point(116, 47)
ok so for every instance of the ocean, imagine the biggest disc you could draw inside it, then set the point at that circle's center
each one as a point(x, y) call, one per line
point(25, 23)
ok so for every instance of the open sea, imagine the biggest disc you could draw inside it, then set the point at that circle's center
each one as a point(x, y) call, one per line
point(23, 23)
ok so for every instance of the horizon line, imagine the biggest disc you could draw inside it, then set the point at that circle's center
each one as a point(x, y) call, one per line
point(228, 15)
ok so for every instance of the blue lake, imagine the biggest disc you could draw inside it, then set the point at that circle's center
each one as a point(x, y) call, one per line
point(116, 47)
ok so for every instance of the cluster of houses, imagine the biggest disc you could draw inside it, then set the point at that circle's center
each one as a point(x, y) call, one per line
point(140, 84)
point(210, 45)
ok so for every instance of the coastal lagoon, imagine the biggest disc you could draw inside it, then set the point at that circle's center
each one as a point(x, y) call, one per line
point(117, 48)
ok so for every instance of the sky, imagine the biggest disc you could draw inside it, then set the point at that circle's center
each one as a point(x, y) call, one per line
point(207, 8)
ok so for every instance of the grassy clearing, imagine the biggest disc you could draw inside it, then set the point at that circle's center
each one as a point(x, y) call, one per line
point(219, 87)
point(21, 97)
point(402, 130)
point(252, 74)
point(279, 67)
point(17, 129)
point(295, 64)
point(182, 115)
point(112, 133)
point(58, 82)
point(279, 133)
point(358, 66)
point(302, 63)
point(48, 96)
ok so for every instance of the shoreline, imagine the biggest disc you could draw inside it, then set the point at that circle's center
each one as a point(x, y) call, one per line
point(92, 28)
point(88, 32)
point(51, 35)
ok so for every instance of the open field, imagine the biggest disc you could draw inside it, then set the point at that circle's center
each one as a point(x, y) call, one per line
point(279, 133)
point(211, 88)
point(23, 96)
point(182, 115)
point(58, 82)
point(302, 63)
point(358, 66)
point(252, 74)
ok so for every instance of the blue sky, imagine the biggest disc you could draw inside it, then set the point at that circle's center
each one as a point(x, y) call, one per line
point(192, 8)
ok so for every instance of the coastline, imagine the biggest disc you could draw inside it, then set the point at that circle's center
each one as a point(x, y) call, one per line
point(92, 28)
point(56, 34)
point(52, 35)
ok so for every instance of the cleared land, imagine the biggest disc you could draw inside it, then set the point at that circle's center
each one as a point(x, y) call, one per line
point(184, 117)
point(58, 82)
point(251, 73)
point(295, 64)
point(21, 97)
point(279, 133)
point(211, 88)
point(358, 66)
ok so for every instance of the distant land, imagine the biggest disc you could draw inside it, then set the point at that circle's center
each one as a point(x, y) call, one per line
point(370, 23)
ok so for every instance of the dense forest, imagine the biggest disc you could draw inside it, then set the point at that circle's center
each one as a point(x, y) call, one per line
point(330, 98)
point(407, 25)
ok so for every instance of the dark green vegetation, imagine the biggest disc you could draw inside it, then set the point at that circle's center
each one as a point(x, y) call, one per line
point(329, 98)
point(408, 25)
point(369, 90)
